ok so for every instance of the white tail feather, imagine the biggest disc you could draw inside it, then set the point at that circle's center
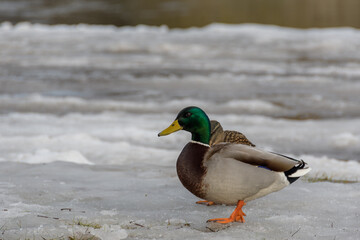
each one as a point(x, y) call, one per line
point(300, 172)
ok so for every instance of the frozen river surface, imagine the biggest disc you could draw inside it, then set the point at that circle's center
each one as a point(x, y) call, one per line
point(81, 106)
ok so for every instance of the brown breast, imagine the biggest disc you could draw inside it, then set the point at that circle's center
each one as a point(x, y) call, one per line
point(190, 168)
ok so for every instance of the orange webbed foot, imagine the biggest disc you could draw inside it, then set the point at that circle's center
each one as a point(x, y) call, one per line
point(207, 203)
point(237, 215)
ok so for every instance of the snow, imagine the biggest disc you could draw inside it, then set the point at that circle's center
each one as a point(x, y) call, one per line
point(146, 202)
point(46, 156)
point(335, 169)
point(81, 107)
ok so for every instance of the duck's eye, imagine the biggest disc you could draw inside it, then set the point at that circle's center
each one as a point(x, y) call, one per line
point(188, 114)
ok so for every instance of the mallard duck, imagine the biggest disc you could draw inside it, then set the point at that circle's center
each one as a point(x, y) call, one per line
point(228, 173)
point(219, 135)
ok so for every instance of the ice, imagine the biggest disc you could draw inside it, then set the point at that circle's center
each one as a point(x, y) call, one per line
point(345, 140)
point(81, 107)
point(335, 170)
point(46, 156)
point(150, 202)
point(109, 232)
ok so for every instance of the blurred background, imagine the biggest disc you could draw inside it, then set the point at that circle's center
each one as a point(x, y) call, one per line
point(111, 74)
point(92, 82)
point(184, 13)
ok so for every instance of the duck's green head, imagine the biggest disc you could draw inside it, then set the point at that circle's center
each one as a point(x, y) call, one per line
point(194, 120)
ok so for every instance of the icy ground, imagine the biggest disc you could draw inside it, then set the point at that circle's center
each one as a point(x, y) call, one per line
point(109, 175)
point(148, 202)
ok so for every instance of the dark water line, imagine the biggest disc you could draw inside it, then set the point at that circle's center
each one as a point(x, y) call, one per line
point(185, 13)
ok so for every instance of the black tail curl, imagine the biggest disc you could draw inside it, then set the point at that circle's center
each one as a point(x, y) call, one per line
point(293, 170)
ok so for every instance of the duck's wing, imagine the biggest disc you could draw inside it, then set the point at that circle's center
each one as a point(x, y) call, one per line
point(256, 157)
point(236, 137)
point(219, 135)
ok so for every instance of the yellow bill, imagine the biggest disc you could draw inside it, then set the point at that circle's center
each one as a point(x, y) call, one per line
point(172, 128)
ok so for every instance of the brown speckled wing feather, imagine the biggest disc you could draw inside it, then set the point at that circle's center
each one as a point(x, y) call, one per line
point(219, 135)
point(236, 137)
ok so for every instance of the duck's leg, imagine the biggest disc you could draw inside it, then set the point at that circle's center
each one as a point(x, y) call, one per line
point(241, 216)
point(237, 215)
point(207, 203)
